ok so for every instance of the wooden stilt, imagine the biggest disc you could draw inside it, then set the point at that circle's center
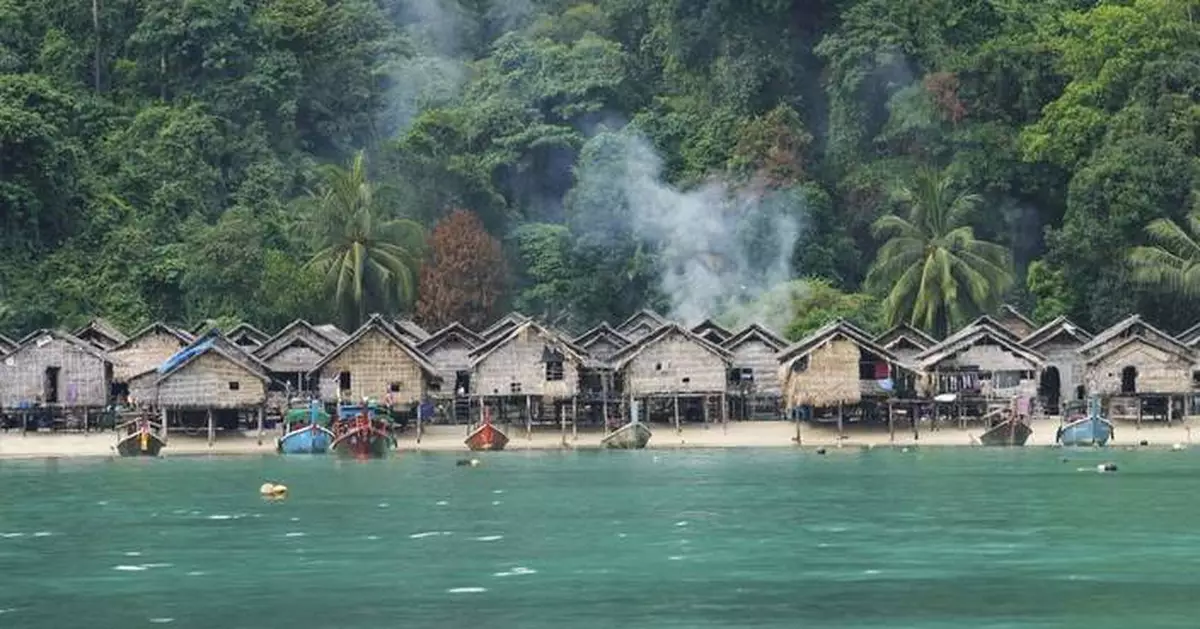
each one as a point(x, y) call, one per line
point(562, 424)
point(575, 418)
point(1139, 415)
point(678, 430)
point(85, 420)
point(706, 401)
point(262, 412)
point(420, 417)
point(891, 425)
point(724, 414)
point(163, 431)
point(797, 418)
point(914, 411)
point(529, 418)
point(840, 427)
point(1170, 411)
point(212, 428)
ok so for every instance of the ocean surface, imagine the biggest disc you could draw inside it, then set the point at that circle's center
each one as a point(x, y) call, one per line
point(939, 538)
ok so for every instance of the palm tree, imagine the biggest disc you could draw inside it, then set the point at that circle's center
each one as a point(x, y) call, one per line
point(367, 260)
point(934, 271)
point(1173, 264)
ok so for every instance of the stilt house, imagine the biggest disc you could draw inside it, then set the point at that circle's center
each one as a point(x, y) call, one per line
point(375, 362)
point(55, 369)
point(1062, 378)
point(905, 342)
point(292, 354)
point(1139, 370)
point(754, 377)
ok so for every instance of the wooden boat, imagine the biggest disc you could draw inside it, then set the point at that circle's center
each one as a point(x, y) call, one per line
point(361, 433)
point(141, 438)
point(632, 436)
point(304, 432)
point(1009, 432)
point(486, 436)
point(1090, 430)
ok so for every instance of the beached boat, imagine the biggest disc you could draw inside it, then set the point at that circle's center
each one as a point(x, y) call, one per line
point(1090, 430)
point(362, 432)
point(1009, 432)
point(486, 436)
point(304, 432)
point(141, 438)
point(632, 436)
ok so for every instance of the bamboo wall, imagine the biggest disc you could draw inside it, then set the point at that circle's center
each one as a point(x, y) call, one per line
point(664, 365)
point(765, 362)
point(143, 353)
point(520, 361)
point(1063, 355)
point(205, 383)
point(830, 378)
point(450, 357)
point(1158, 371)
point(375, 362)
point(82, 379)
point(603, 349)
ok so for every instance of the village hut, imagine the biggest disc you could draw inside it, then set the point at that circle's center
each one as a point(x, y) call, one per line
point(754, 377)
point(712, 332)
point(292, 354)
point(504, 325)
point(52, 368)
point(529, 360)
point(838, 372)
point(641, 324)
point(410, 330)
point(375, 362)
point(1062, 378)
point(1014, 321)
point(599, 389)
point(143, 352)
point(7, 345)
point(213, 381)
point(247, 336)
point(101, 333)
point(675, 374)
point(1139, 370)
point(982, 369)
point(449, 350)
point(905, 341)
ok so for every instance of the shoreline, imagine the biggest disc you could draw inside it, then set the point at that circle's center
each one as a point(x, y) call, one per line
point(734, 435)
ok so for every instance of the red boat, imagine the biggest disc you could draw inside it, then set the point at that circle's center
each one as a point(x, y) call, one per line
point(486, 436)
point(359, 433)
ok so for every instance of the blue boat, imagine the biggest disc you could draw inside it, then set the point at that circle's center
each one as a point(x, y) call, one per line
point(1090, 430)
point(303, 432)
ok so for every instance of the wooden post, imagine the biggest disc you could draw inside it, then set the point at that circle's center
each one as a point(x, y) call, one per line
point(1139, 415)
point(529, 417)
point(212, 428)
point(839, 424)
point(706, 399)
point(575, 417)
point(914, 412)
point(891, 424)
point(797, 417)
point(85, 420)
point(1170, 411)
point(262, 412)
point(562, 424)
point(725, 414)
point(163, 430)
point(678, 430)
point(420, 416)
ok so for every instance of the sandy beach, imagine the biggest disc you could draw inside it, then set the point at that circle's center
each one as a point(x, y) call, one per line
point(733, 435)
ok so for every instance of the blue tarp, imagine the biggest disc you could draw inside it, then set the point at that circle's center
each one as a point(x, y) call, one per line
point(184, 354)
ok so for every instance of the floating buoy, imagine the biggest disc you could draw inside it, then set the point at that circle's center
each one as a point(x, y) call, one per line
point(273, 490)
point(1106, 467)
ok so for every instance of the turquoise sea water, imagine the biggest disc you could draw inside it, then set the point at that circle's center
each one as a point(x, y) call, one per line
point(740, 538)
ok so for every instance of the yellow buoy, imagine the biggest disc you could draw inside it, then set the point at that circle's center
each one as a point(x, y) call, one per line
point(272, 489)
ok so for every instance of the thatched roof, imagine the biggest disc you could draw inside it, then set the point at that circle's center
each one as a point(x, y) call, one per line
point(247, 335)
point(381, 325)
point(622, 357)
point(1173, 349)
point(37, 336)
point(831, 358)
point(297, 333)
point(1011, 318)
point(1132, 326)
point(6, 345)
point(641, 323)
point(332, 332)
point(1059, 327)
point(101, 333)
point(601, 332)
point(211, 343)
point(903, 334)
point(455, 330)
point(958, 343)
point(572, 352)
point(157, 327)
point(410, 329)
point(712, 331)
point(504, 325)
point(754, 332)
point(838, 328)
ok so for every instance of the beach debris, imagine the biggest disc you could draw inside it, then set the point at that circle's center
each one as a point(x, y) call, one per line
point(1143, 442)
point(1106, 467)
point(467, 463)
point(273, 490)
point(820, 450)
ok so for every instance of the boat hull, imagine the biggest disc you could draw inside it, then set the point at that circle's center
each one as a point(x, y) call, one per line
point(306, 440)
point(364, 443)
point(141, 443)
point(633, 436)
point(1008, 433)
point(1090, 431)
point(486, 437)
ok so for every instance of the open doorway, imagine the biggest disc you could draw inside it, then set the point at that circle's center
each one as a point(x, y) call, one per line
point(1129, 379)
point(462, 383)
point(1050, 390)
point(50, 385)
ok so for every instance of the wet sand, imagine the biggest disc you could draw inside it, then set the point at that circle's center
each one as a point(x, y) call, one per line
point(731, 435)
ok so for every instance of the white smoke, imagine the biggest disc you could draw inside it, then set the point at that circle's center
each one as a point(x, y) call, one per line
point(710, 267)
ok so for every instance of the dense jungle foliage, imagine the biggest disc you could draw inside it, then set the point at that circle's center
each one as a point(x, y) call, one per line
point(882, 160)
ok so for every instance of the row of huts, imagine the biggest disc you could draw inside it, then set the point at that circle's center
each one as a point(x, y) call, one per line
point(524, 369)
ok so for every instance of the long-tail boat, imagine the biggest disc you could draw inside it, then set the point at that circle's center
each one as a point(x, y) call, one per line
point(361, 432)
point(142, 438)
point(1008, 428)
point(1089, 430)
point(486, 436)
point(632, 436)
point(305, 431)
